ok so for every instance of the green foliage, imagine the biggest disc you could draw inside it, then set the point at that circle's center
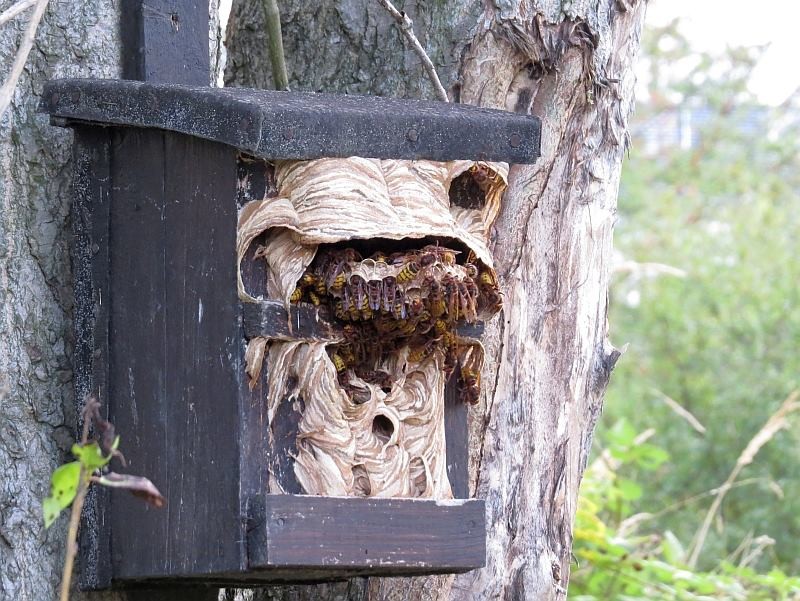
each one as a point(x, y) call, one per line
point(719, 335)
point(63, 487)
point(621, 556)
point(66, 479)
point(91, 456)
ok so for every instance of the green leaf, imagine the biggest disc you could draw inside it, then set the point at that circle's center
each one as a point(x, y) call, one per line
point(629, 490)
point(64, 483)
point(672, 548)
point(50, 509)
point(91, 456)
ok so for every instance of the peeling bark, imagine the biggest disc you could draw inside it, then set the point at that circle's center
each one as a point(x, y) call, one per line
point(548, 357)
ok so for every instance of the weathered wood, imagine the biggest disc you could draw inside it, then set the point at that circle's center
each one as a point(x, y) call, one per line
point(255, 181)
point(370, 535)
point(283, 432)
point(270, 319)
point(456, 431)
point(90, 211)
point(175, 360)
point(165, 41)
point(289, 125)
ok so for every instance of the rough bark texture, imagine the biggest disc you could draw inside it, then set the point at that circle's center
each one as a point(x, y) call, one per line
point(548, 357)
point(36, 400)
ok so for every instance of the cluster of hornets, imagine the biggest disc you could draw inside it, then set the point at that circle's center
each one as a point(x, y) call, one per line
point(414, 299)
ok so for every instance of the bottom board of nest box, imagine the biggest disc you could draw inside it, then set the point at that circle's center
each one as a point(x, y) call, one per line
point(368, 536)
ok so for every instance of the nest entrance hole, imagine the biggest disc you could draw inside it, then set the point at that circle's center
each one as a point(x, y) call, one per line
point(469, 189)
point(382, 428)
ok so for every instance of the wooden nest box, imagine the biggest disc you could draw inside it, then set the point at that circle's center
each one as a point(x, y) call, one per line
point(161, 333)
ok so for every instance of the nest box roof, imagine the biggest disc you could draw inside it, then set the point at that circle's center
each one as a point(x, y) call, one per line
point(300, 125)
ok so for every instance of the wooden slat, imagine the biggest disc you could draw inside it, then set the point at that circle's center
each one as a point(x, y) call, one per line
point(166, 41)
point(296, 125)
point(91, 186)
point(375, 535)
point(137, 340)
point(456, 414)
point(270, 319)
point(175, 364)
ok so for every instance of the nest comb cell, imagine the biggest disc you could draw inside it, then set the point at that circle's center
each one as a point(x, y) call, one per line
point(279, 297)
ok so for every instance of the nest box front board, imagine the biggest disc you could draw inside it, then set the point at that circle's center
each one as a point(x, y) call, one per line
point(161, 333)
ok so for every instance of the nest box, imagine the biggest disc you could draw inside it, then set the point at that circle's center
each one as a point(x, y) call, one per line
point(161, 332)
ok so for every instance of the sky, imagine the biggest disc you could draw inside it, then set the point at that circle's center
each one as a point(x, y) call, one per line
point(711, 25)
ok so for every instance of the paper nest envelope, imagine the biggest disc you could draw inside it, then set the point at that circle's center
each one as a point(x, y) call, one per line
point(340, 452)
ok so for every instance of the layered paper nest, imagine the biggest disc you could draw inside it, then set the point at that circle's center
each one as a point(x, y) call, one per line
point(341, 452)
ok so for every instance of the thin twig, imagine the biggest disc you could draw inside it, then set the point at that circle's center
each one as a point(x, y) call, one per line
point(273, 17)
point(776, 422)
point(17, 8)
point(72, 534)
point(407, 28)
point(77, 508)
point(681, 411)
point(647, 269)
point(7, 91)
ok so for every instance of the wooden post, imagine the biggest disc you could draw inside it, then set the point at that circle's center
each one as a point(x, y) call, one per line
point(166, 41)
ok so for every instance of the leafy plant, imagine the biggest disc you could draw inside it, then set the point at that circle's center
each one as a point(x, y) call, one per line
point(620, 559)
point(707, 297)
point(70, 482)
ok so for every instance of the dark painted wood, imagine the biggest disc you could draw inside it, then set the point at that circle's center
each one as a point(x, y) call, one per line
point(175, 361)
point(255, 180)
point(165, 41)
point(269, 318)
point(370, 534)
point(171, 593)
point(456, 432)
point(137, 343)
point(296, 125)
point(253, 418)
point(90, 208)
point(283, 433)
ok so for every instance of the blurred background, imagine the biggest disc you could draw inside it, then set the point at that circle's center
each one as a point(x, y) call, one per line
point(693, 489)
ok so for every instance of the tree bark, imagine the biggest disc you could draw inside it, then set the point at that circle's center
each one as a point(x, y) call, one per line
point(36, 400)
point(548, 356)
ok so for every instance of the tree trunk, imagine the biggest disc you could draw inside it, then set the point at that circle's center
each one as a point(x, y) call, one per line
point(548, 356)
point(36, 400)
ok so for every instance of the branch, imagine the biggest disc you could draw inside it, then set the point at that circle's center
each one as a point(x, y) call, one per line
point(72, 534)
point(276, 57)
point(12, 12)
point(7, 91)
point(681, 411)
point(89, 408)
point(407, 28)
